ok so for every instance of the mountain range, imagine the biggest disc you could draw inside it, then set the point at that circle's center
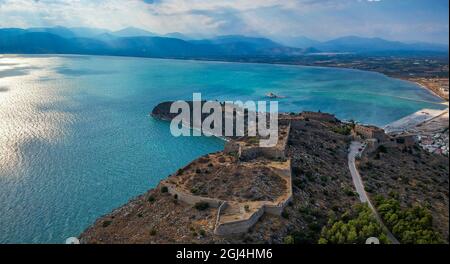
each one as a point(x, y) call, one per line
point(142, 43)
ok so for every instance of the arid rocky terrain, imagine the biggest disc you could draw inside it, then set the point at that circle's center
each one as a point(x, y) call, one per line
point(412, 176)
point(322, 189)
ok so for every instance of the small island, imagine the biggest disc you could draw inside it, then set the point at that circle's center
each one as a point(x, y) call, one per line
point(274, 96)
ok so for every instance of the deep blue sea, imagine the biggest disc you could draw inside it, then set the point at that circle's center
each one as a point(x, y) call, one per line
point(76, 138)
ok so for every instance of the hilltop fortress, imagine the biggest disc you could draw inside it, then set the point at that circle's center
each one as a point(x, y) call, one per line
point(199, 183)
point(239, 184)
point(246, 192)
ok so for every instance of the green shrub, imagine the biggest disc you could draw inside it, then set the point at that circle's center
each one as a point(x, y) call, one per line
point(106, 223)
point(164, 189)
point(324, 178)
point(297, 171)
point(298, 183)
point(343, 130)
point(201, 206)
point(304, 237)
point(349, 192)
point(310, 176)
point(382, 149)
point(151, 199)
point(368, 189)
point(305, 210)
point(289, 240)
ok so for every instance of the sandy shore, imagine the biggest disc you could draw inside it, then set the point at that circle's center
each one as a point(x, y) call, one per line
point(432, 85)
point(409, 123)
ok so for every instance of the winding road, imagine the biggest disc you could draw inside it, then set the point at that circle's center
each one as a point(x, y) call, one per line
point(355, 150)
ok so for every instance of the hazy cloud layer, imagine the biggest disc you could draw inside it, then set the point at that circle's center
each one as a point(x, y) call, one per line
point(424, 20)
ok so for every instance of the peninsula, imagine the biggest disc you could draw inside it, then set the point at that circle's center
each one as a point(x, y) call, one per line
point(300, 191)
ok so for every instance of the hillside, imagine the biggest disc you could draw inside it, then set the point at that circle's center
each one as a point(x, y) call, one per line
point(159, 217)
point(411, 176)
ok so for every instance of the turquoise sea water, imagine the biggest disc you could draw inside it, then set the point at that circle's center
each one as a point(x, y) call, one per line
point(76, 139)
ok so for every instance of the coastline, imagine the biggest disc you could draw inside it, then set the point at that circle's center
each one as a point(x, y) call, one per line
point(218, 60)
point(219, 224)
point(424, 86)
point(250, 67)
point(413, 120)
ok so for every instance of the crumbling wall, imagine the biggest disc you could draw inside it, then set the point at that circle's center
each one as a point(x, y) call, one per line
point(192, 199)
point(239, 226)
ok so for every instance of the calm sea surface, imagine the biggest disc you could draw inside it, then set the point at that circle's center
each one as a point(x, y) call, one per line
point(76, 138)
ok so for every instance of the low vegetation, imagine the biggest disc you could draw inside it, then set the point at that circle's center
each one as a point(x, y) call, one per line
point(343, 130)
point(353, 227)
point(411, 226)
point(164, 189)
point(201, 206)
point(411, 176)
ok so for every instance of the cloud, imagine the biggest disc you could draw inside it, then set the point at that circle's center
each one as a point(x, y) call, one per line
point(321, 19)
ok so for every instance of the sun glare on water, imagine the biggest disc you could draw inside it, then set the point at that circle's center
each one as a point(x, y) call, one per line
point(22, 120)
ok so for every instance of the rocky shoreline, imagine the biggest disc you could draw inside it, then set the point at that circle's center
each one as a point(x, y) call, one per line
point(243, 195)
point(234, 192)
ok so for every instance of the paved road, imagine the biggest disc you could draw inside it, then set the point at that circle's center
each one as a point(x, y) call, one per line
point(354, 151)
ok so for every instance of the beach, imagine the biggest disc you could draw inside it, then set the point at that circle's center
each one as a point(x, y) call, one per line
point(429, 126)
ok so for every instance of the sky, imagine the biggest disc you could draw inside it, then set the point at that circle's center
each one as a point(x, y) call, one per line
point(402, 20)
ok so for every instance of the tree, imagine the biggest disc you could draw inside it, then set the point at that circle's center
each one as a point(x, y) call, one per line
point(410, 225)
point(352, 227)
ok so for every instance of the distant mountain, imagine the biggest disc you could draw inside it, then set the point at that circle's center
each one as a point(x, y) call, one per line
point(138, 42)
point(78, 32)
point(60, 31)
point(355, 44)
point(133, 32)
point(24, 41)
point(177, 35)
point(237, 45)
point(40, 41)
point(233, 39)
point(362, 45)
point(85, 32)
point(423, 46)
point(300, 42)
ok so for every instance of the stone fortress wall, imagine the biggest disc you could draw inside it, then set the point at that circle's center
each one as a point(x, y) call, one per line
point(247, 220)
point(242, 220)
point(237, 217)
